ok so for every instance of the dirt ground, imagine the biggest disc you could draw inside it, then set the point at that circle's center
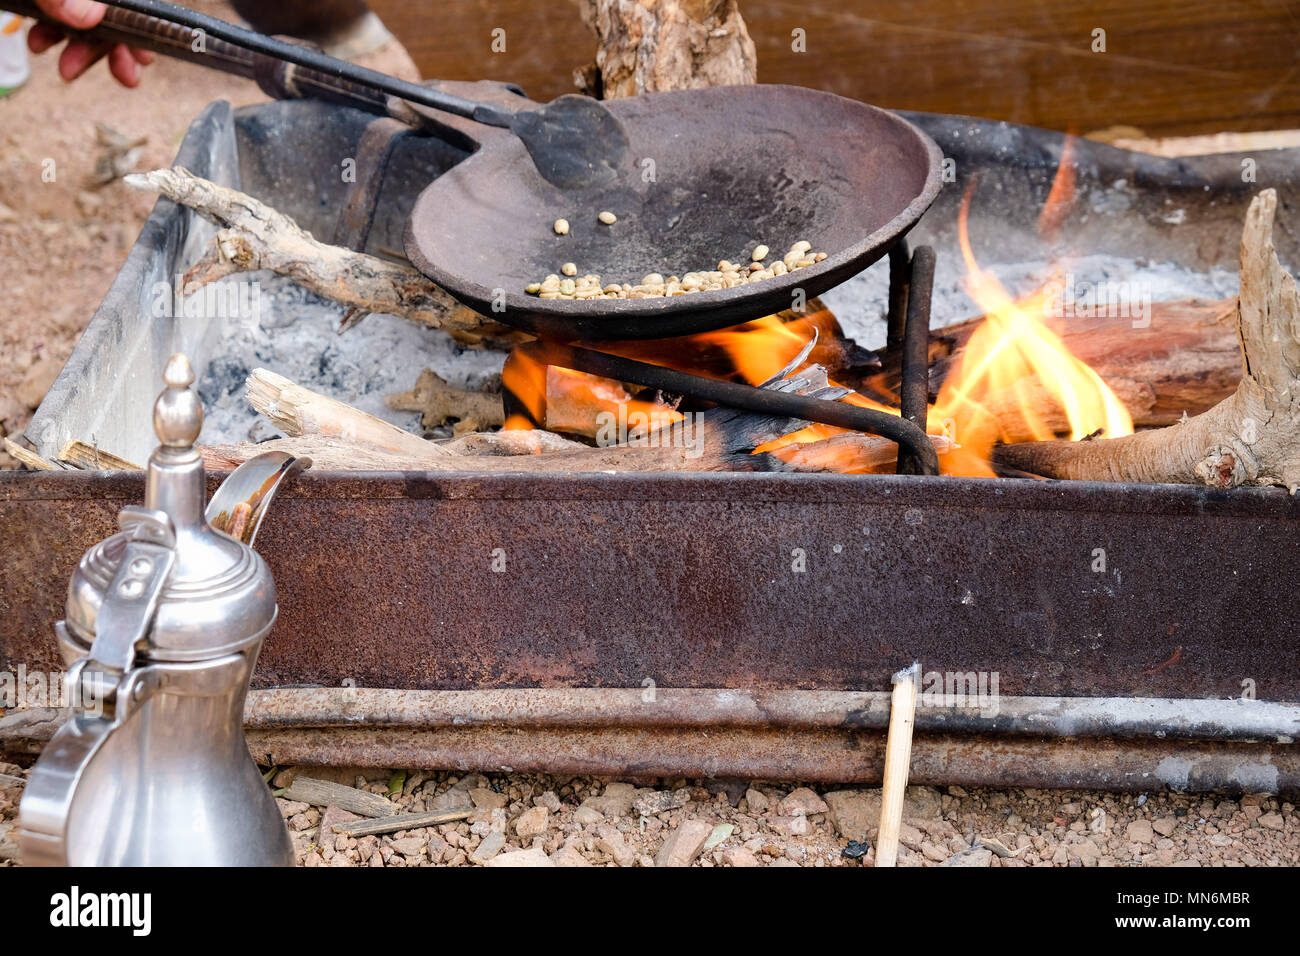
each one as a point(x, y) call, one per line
point(528, 820)
point(63, 238)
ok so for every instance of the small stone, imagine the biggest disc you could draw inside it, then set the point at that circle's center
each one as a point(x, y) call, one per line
point(485, 799)
point(1165, 826)
point(612, 844)
point(616, 801)
point(532, 822)
point(607, 217)
point(910, 837)
point(757, 800)
point(853, 813)
point(410, 846)
point(489, 848)
point(530, 857)
point(1272, 821)
point(569, 855)
point(979, 857)
point(684, 843)
point(802, 801)
point(550, 800)
point(791, 826)
point(454, 799)
point(1085, 850)
point(719, 834)
point(8, 846)
point(586, 816)
point(332, 817)
point(922, 803)
point(561, 227)
point(291, 808)
point(932, 852)
point(856, 849)
point(1139, 831)
point(661, 801)
point(304, 821)
point(569, 269)
point(738, 856)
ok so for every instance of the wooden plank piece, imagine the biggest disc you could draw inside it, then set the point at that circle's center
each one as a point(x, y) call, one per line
point(324, 793)
point(898, 761)
point(401, 821)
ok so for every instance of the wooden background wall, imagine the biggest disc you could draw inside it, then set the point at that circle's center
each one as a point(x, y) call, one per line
point(1169, 68)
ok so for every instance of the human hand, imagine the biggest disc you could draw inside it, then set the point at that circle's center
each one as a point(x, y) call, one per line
point(78, 56)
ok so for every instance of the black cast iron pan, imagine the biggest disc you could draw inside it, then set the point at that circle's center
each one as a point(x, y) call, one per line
point(712, 173)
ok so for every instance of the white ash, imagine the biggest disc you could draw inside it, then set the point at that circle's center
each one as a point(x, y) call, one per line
point(293, 334)
point(862, 302)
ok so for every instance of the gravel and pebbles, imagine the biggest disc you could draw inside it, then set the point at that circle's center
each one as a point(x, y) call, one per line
point(534, 820)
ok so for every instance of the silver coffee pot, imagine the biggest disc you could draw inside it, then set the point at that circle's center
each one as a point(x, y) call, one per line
point(164, 624)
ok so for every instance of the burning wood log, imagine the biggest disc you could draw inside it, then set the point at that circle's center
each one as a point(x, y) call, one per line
point(254, 236)
point(1250, 438)
point(653, 45)
point(338, 437)
point(1184, 361)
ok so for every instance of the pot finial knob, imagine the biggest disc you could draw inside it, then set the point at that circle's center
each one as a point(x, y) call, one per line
point(178, 413)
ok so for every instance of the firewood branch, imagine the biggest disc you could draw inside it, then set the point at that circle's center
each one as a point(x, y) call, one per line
point(338, 437)
point(253, 236)
point(1250, 438)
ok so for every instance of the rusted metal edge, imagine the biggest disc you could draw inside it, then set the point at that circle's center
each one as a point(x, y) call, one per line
point(825, 756)
point(1007, 494)
point(1103, 743)
point(1109, 717)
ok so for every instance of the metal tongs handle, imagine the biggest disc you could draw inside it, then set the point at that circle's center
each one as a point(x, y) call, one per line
point(177, 31)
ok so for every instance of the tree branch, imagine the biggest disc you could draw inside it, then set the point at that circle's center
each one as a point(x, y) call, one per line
point(254, 236)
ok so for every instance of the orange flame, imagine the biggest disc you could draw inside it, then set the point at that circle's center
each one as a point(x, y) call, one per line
point(1015, 380)
point(1013, 374)
point(564, 400)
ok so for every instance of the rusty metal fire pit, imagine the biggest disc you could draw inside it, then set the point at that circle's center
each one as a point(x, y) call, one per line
point(728, 625)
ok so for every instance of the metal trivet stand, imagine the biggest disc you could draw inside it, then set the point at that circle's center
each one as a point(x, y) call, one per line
point(911, 282)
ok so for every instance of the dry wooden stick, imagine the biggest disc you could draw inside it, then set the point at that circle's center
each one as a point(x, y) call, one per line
point(29, 458)
point(1250, 438)
point(338, 437)
point(300, 411)
point(898, 762)
point(81, 455)
point(848, 453)
point(401, 821)
point(254, 236)
point(324, 793)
